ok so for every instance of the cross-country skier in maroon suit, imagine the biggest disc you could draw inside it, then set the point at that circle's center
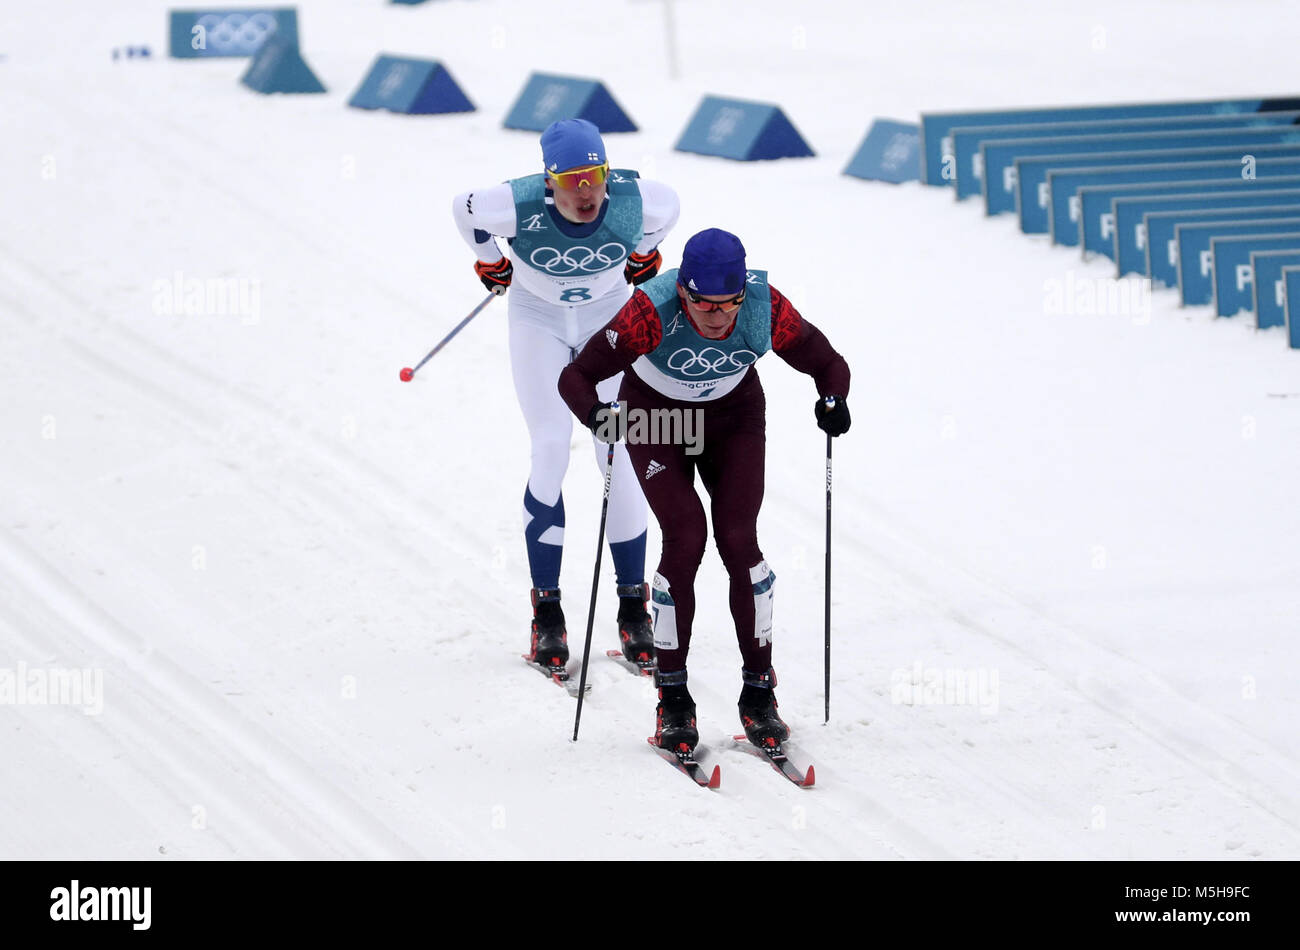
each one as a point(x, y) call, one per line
point(687, 341)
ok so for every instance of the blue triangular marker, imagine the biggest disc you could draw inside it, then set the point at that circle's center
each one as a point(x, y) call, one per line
point(890, 152)
point(546, 98)
point(441, 94)
point(602, 111)
point(779, 139)
point(279, 67)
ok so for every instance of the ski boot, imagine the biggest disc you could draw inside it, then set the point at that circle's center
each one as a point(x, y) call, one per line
point(635, 634)
point(549, 644)
point(675, 715)
point(763, 726)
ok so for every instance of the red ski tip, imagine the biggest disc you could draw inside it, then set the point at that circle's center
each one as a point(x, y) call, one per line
point(715, 779)
point(809, 778)
point(406, 374)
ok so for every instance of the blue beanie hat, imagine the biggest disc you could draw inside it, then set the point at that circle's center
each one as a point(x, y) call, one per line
point(713, 262)
point(571, 143)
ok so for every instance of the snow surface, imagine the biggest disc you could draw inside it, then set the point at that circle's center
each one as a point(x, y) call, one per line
point(304, 581)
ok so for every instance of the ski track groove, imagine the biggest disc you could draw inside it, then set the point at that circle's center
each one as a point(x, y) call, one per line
point(137, 736)
point(335, 821)
point(254, 746)
point(1191, 745)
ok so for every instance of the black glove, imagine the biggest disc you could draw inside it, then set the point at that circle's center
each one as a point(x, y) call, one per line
point(641, 267)
point(832, 421)
point(495, 276)
point(596, 421)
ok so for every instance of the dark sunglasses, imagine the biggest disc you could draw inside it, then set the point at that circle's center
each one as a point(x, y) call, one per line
point(707, 305)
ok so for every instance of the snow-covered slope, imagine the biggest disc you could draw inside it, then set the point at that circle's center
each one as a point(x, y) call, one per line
point(304, 582)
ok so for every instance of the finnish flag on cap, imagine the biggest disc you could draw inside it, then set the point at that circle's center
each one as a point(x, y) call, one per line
point(571, 143)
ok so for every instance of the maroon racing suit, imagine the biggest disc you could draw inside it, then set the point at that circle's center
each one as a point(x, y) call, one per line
point(730, 463)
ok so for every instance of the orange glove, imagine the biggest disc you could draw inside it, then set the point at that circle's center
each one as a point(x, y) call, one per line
point(641, 267)
point(495, 276)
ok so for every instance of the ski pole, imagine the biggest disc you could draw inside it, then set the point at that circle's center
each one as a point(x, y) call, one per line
point(830, 404)
point(407, 373)
point(595, 577)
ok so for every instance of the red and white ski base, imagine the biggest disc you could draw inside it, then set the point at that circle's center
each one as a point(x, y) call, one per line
point(689, 766)
point(778, 759)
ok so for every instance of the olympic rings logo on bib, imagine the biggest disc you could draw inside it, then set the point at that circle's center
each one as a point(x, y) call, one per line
point(578, 259)
point(710, 360)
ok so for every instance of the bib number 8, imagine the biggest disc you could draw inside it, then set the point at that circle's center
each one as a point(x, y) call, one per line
point(574, 294)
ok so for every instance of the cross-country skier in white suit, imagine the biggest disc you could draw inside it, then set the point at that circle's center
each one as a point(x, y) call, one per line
point(579, 233)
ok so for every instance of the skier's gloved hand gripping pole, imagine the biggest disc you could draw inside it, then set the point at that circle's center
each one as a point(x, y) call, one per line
point(407, 373)
point(598, 427)
point(496, 275)
point(832, 415)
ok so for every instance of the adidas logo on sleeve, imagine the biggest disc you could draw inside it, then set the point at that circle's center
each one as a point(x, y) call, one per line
point(653, 469)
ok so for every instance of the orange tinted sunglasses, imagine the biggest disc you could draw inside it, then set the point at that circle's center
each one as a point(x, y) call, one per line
point(574, 178)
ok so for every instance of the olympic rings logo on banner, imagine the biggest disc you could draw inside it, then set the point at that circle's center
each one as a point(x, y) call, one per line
point(237, 32)
point(710, 360)
point(575, 259)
